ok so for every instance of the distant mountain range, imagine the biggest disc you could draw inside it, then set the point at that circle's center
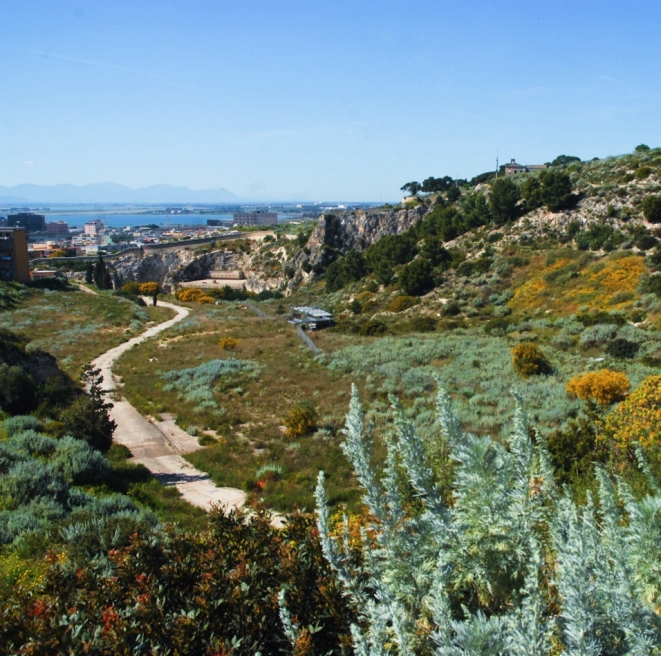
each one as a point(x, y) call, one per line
point(109, 192)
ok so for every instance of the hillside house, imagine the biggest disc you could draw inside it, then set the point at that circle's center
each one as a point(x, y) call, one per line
point(513, 168)
point(311, 318)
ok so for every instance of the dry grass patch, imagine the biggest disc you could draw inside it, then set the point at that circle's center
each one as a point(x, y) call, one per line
point(248, 406)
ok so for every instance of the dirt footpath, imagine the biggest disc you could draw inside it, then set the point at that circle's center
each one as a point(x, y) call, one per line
point(159, 445)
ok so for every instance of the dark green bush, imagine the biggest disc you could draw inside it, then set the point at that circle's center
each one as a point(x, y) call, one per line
point(622, 348)
point(593, 319)
point(17, 390)
point(503, 200)
point(652, 209)
point(423, 324)
point(651, 285)
point(451, 309)
point(373, 328)
point(416, 278)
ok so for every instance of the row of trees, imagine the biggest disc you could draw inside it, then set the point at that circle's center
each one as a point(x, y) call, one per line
point(98, 274)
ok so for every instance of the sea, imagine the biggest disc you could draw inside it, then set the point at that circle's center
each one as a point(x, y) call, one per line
point(124, 220)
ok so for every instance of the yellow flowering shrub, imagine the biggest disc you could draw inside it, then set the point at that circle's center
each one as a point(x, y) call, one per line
point(191, 295)
point(605, 387)
point(150, 288)
point(636, 419)
point(301, 420)
point(528, 360)
point(228, 343)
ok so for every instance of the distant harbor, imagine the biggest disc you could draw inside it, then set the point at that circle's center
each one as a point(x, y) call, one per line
point(78, 220)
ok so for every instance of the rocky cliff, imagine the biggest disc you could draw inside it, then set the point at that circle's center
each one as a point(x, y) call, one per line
point(173, 267)
point(276, 265)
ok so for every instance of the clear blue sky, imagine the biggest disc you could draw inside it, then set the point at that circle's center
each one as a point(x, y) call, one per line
point(316, 99)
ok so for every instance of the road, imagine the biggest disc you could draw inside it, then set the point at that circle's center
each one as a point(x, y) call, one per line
point(159, 445)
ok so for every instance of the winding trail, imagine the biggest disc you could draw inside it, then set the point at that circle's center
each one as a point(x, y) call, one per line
point(159, 445)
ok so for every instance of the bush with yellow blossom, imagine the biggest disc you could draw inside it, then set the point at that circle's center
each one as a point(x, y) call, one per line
point(636, 419)
point(605, 387)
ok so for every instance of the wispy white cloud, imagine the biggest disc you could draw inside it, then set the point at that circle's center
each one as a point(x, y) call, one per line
point(28, 162)
point(117, 67)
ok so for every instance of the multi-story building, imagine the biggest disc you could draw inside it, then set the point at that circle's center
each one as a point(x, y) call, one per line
point(28, 220)
point(94, 228)
point(14, 264)
point(57, 228)
point(256, 218)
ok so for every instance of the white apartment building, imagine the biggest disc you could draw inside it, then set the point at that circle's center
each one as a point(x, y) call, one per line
point(256, 218)
point(94, 228)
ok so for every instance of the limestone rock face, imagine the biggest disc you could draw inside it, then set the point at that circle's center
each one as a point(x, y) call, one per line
point(173, 267)
point(360, 229)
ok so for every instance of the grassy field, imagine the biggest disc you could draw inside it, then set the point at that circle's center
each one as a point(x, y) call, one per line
point(242, 423)
point(75, 326)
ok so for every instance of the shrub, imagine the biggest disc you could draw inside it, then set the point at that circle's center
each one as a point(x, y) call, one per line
point(605, 387)
point(228, 343)
point(416, 278)
point(642, 173)
point(622, 348)
point(131, 287)
point(194, 384)
point(556, 190)
point(190, 295)
point(372, 328)
point(597, 335)
point(150, 288)
point(478, 553)
point(301, 420)
point(498, 326)
point(528, 360)
point(17, 390)
point(451, 309)
point(637, 419)
point(401, 303)
point(652, 209)
point(423, 324)
point(122, 293)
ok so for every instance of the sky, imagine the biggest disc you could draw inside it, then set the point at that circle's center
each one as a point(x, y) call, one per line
point(318, 100)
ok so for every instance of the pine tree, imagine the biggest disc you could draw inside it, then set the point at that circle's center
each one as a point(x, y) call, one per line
point(88, 417)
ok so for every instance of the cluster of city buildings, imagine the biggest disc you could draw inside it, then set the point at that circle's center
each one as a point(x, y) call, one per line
point(26, 236)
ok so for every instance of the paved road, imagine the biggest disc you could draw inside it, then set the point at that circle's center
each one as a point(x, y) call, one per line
point(159, 445)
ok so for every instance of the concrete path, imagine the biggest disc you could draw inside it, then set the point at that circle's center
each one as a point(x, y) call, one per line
point(159, 445)
point(308, 342)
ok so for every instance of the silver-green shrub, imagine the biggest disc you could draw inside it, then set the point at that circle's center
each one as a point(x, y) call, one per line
point(506, 564)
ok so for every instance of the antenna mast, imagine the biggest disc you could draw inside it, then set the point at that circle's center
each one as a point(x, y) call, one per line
point(497, 168)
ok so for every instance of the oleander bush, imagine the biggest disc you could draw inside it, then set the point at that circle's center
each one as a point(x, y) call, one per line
point(210, 592)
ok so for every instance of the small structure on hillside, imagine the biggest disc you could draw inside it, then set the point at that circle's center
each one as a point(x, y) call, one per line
point(513, 168)
point(311, 318)
point(218, 279)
